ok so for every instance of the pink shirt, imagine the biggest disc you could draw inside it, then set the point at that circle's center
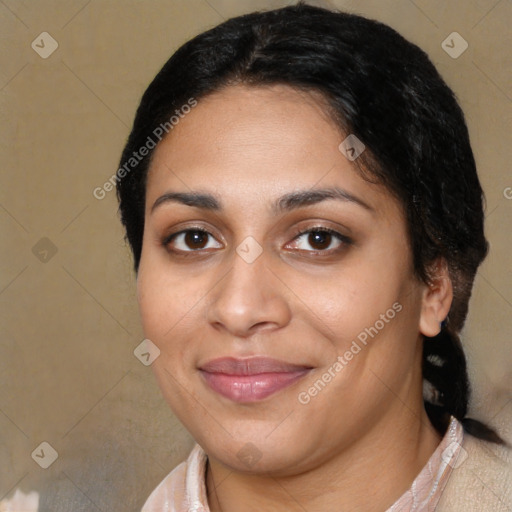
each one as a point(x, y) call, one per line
point(184, 488)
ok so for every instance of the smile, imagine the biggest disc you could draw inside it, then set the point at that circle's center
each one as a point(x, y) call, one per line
point(250, 380)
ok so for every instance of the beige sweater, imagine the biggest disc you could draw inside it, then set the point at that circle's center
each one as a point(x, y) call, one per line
point(483, 482)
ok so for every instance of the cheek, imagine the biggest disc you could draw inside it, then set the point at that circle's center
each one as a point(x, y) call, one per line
point(156, 305)
point(350, 302)
point(166, 302)
point(166, 306)
point(369, 316)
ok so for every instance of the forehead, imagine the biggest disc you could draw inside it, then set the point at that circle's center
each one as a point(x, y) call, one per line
point(255, 143)
point(238, 122)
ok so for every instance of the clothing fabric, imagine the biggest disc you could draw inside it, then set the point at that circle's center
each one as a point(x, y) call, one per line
point(461, 475)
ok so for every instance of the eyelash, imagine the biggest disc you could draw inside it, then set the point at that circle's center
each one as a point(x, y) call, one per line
point(345, 241)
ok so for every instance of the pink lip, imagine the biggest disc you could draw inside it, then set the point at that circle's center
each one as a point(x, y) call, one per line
point(251, 379)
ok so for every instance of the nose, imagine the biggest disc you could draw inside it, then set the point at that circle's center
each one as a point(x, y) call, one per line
point(249, 298)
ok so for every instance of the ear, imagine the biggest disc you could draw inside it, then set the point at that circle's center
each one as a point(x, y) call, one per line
point(437, 299)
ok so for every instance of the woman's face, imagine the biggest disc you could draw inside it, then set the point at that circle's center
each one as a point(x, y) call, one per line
point(340, 313)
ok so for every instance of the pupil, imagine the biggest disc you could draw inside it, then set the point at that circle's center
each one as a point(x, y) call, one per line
point(320, 238)
point(194, 238)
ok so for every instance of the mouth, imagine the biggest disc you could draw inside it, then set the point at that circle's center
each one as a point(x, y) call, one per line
point(251, 379)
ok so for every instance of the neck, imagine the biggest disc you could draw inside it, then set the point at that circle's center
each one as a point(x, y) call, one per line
point(388, 458)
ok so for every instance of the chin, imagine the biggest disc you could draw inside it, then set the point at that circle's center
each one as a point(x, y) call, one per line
point(257, 453)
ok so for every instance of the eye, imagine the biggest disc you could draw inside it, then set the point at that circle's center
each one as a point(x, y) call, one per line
point(321, 239)
point(189, 240)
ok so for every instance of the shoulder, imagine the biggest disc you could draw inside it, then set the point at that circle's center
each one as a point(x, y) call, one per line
point(182, 488)
point(481, 479)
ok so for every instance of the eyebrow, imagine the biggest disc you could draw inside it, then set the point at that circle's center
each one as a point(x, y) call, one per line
point(285, 203)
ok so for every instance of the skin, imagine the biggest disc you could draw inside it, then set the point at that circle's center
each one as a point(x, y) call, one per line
point(249, 146)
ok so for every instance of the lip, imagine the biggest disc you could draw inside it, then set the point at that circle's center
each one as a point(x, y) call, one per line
point(250, 379)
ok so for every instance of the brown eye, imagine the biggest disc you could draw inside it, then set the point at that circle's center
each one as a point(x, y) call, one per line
point(188, 240)
point(320, 240)
point(195, 239)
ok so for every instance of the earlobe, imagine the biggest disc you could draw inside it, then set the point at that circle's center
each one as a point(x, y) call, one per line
point(436, 301)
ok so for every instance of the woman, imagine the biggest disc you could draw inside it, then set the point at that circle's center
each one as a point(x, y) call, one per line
point(301, 199)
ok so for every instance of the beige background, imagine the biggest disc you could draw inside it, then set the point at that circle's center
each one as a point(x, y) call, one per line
point(69, 321)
